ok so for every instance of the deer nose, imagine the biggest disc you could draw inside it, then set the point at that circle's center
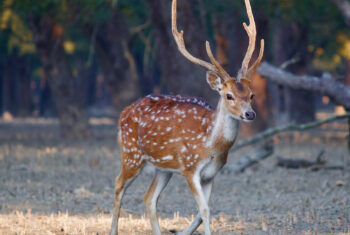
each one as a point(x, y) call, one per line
point(250, 115)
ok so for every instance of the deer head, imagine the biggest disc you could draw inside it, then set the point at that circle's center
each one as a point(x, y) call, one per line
point(235, 92)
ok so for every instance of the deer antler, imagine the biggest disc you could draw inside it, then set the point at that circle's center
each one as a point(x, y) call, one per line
point(178, 36)
point(251, 31)
point(220, 69)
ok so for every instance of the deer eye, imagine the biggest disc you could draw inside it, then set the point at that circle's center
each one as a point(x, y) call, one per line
point(229, 97)
point(252, 96)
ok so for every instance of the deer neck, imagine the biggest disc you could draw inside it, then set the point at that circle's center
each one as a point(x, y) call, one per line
point(224, 129)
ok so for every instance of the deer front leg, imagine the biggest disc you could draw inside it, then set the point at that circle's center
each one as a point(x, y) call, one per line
point(194, 182)
point(207, 186)
point(159, 182)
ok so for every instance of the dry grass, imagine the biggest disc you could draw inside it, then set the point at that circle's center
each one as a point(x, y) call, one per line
point(63, 223)
point(20, 223)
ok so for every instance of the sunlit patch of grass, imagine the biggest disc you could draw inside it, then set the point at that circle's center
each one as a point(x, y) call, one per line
point(63, 223)
point(18, 222)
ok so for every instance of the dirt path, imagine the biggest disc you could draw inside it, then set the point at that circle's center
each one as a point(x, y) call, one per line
point(47, 175)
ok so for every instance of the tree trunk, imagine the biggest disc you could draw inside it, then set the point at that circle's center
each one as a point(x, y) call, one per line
point(45, 106)
point(292, 104)
point(238, 40)
point(1, 87)
point(347, 72)
point(178, 75)
point(118, 64)
point(73, 118)
point(22, 77)
point(16, 86)
point(86, 79)
point(7, 87)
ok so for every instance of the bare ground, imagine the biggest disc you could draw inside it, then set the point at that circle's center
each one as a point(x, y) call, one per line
point(53, 186)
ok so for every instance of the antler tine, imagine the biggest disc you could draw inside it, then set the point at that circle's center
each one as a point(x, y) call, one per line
point(224, 75)
point(178, 36)
point(253, 68)
point(251, 31)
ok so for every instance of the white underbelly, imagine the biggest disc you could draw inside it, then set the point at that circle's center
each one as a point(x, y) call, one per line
point(150, 168)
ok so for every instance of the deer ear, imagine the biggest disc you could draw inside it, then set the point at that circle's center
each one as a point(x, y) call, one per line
point(215, 82)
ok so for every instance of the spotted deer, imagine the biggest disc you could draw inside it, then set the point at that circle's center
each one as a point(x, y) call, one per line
point(184, 134)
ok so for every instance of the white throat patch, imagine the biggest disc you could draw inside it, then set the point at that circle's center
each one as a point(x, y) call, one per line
point(224, 124)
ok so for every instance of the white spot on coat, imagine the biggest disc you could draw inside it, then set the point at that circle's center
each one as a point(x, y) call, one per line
point(169, 157)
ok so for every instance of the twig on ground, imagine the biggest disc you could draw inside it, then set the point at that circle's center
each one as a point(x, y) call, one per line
point(319, 157)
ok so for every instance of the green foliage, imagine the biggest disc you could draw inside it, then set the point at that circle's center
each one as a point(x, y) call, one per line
point(36, 7)
point(136, 11)
point(321, 19)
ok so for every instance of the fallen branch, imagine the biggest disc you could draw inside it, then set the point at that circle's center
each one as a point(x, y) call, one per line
point(290, 127)
point(326, 85)
point(245, 162)
point(300, 163)
point(294, 163)
point(325, 167)
point(318, 164)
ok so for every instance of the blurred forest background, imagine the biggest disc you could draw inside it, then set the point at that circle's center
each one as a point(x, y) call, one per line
point(69, 67)
point(90, 58)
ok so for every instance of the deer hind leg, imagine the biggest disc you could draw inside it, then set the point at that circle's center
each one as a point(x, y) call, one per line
point(159, 182)
point(122, 182)
point(207, 186)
